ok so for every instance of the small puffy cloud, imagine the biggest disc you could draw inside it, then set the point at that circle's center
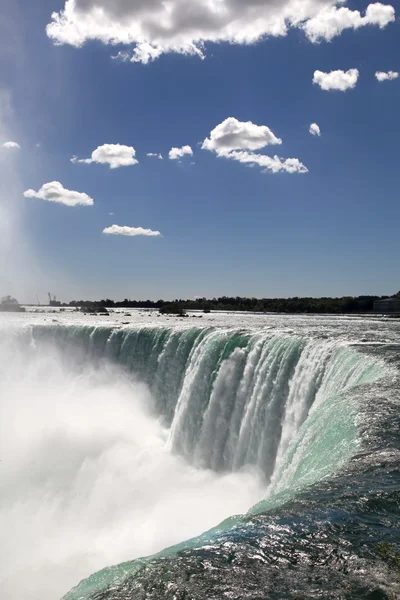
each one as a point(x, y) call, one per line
point(115, 155)
point(55, 192)
point(155, 27)
point(130, 231)
point(336, 80)
point(388, 76)
point(177, 153)
point(11, 145)
point(315, 129)
point(155, 155)
point(331, 22)
point(232, 134)
point(380, 14)
point(237, 140)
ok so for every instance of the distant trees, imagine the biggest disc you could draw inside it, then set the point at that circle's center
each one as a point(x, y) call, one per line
point(107, 303)
point(9, 300)
point(10, 304)
point(173, 309)
point(345, 305)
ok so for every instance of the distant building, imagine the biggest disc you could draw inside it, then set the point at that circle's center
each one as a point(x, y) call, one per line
point(53, 301)
point(387, 306)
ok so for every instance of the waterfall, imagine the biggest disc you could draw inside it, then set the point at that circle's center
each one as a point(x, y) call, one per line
point(229, 399)
point(128, 430)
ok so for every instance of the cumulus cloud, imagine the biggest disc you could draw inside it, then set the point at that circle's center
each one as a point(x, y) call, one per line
point(130, 231)
point(336, 80)
point(155, 155)
point(115, 155)
point(11, 145)
point(315, 129)
point(232, 134)
point(176, 153)
point(55, 192)
point(388, 76)
point(237, 140)
point(329, 23)
point(154, 27)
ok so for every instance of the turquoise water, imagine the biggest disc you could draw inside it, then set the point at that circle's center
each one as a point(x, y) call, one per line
point(285, 405)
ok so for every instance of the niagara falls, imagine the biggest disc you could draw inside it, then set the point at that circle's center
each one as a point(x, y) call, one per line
point(199, 300)
point(262, 438)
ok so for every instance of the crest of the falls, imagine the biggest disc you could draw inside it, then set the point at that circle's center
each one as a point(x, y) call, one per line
point(143, 426)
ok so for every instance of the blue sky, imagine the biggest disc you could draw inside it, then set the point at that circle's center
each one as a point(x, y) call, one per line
point(227, 228)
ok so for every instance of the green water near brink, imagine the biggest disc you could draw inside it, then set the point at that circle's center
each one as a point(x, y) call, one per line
point(289, 405)
point(232, 399)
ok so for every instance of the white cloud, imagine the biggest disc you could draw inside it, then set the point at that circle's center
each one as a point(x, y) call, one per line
point(333, 21)
point(315, 129)
point(155, 155)
point(273, 164)
point(236, 140)
point(155, 27)
point(232, 134)
point(143, 53)
point(389, 76)
point(11, 145)
point(380, 14)
point(336, 80)
point(176, 153)
point(130, 231)
point(115, 155)
point(55, 192)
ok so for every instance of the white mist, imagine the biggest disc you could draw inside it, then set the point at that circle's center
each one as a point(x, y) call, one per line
point(86, 478)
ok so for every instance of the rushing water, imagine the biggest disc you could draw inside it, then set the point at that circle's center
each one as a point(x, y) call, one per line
point(118, 440)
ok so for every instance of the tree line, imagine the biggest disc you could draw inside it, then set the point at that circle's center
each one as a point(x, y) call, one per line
point(344, 305)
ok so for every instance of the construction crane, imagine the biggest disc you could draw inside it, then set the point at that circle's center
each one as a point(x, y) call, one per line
point(53, 300)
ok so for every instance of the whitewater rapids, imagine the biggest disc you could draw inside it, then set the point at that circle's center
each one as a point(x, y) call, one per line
point(118, 441)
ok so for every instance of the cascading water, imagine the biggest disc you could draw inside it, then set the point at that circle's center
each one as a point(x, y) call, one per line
point(229, 399)
point(260, 415)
